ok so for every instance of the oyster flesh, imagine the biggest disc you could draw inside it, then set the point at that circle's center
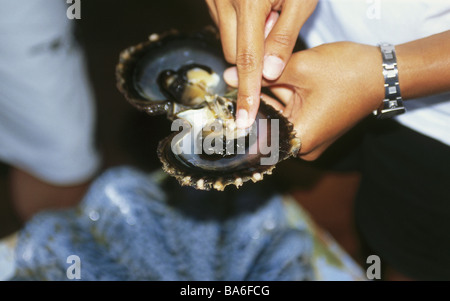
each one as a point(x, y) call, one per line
point(180, 75)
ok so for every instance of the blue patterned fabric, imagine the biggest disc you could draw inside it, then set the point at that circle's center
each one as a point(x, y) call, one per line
point(131, 227)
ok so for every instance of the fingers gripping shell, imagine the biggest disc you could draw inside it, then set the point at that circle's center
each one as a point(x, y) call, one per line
point(180, 75)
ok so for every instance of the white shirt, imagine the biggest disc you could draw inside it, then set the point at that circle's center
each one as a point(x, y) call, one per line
point(47, 108)
point(394, 21)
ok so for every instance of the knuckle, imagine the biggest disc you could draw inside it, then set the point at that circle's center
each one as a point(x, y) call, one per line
point(239, 4)
point(246, 62)
point(283, 39)
point(247, 101)
point(245, 98)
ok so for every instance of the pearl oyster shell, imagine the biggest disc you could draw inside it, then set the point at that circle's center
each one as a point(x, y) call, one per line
point(180, 75)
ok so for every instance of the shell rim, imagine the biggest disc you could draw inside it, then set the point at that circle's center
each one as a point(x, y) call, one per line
point(186, 177)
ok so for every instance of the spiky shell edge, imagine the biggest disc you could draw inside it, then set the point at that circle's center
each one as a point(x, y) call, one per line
point(291, 147)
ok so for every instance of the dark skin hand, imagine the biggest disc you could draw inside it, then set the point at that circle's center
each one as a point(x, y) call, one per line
point(326, 90)
point(259, 41)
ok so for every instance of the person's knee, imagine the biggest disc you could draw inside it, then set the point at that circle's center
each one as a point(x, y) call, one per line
point(30, 194)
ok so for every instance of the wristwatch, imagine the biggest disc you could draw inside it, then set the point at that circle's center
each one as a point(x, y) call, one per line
point(392, 103)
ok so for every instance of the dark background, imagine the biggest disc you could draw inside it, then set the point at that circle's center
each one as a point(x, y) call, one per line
point(106, 28)
point(126, 136)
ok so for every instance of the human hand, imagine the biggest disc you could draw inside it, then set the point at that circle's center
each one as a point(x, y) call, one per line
point(326, 90)
point(259, 41)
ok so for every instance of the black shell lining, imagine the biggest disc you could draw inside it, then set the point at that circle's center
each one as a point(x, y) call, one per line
point(131, 58)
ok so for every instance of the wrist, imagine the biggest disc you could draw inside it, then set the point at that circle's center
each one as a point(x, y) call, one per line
point(405, 62)
point(392, 104)
point(424, 66)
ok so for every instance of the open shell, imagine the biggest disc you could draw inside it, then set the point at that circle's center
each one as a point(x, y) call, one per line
point(155, 76)
point(140, 66)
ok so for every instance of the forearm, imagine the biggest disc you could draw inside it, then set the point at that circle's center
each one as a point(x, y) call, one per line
point(424, 66)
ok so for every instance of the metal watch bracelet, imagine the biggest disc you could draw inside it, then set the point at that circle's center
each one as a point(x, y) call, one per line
point(393, 102)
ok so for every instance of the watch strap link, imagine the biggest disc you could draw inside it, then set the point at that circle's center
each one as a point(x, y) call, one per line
point(393, 102)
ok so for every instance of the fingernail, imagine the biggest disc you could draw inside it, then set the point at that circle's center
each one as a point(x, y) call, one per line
point(231, 76)
point(241, 119)
point(273, 66)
